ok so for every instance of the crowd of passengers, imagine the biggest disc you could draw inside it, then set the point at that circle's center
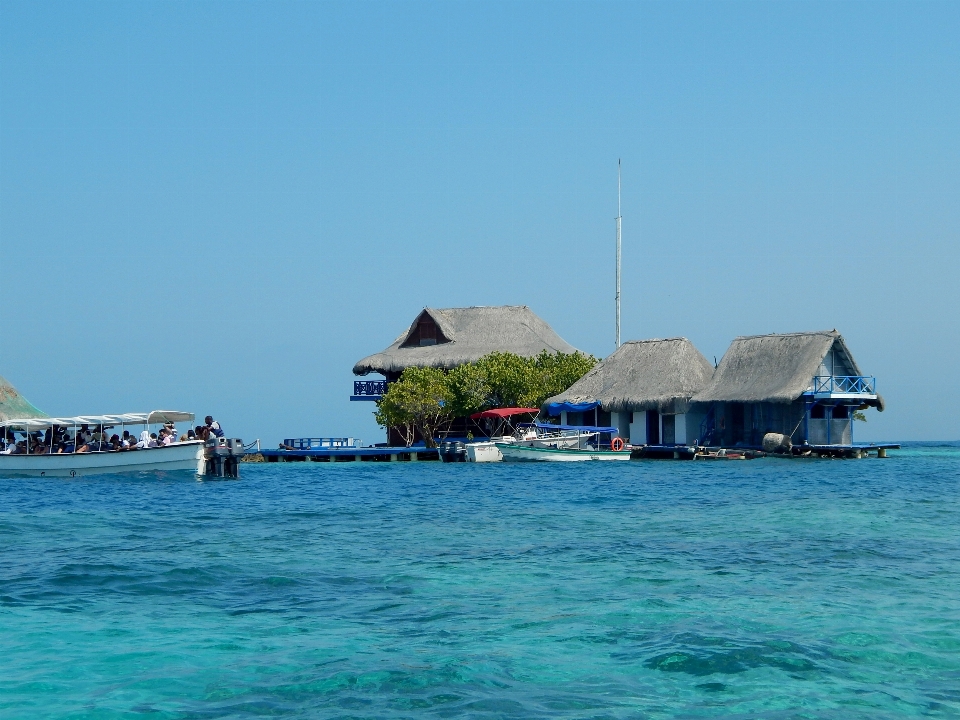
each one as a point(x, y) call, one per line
point(59, 439)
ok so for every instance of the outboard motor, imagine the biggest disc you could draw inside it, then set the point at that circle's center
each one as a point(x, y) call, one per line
point(453, 451)
point(222, 457)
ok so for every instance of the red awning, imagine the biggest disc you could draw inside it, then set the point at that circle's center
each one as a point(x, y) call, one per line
point(502, 412)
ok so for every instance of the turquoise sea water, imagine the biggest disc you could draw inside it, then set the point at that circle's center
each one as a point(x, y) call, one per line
point(760, 589)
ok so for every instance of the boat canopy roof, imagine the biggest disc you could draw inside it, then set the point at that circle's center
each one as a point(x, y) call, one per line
point(581, 428)
point(503, 412)
point(150, 418)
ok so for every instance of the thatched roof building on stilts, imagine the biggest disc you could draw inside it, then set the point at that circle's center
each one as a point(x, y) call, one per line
point(804, 385)
point(448, 337)
point(644, 388)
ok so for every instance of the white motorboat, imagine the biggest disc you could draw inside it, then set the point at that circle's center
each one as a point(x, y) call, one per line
point(49, 458)
point(526, 435)
point(564, 443)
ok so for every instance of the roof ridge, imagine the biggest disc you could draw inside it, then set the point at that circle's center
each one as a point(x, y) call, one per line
point(653, 340)
point(480, 307)
point(831, 333)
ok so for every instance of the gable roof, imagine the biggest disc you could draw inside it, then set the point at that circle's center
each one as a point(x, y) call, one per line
point(469, 334)
point(772, 368)
point(643, 375)
point(14, 405)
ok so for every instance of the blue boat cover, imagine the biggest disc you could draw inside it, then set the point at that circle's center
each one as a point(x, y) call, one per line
point(581, 428)
point(557, 408)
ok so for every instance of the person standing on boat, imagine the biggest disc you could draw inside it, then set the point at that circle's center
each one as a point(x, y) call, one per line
point(213, 426)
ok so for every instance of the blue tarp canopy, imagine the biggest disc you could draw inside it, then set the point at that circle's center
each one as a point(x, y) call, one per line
point(557, 408)
point(581, 428)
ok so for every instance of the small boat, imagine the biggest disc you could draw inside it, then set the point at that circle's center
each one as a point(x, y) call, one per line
point(564, 443)
point(499, 429)
point(488, 451)
point(62, 460)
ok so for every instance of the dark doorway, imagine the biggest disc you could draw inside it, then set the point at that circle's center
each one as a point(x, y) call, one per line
point(669, 429)
point(653, 427)
point(736, 423)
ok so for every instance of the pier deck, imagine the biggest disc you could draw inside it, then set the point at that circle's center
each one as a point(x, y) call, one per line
point(352, 454)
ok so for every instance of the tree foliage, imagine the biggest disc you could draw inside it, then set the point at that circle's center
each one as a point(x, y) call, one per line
point(419, 400)
point(425, 400)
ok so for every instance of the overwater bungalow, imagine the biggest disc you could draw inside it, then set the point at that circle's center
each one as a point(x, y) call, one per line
point(805, 386)
point(446, 338)
point(644, 389)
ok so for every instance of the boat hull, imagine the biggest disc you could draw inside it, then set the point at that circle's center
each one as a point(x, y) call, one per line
point(483, 452)
point(176, 457)
point(519, 453)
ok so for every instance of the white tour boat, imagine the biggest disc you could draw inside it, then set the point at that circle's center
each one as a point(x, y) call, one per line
point(55, 461)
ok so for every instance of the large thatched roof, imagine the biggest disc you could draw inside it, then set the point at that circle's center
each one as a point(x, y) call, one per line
point(643, 375)
point(774, 368)
point(13, 405)
point(465, 335)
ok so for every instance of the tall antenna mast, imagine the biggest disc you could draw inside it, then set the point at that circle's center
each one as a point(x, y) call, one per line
point(618, 252)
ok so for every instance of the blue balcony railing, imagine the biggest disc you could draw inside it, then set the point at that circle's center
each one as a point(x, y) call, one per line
point(846, 384)
point(368, 389)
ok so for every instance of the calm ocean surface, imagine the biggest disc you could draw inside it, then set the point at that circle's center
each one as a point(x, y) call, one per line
point(760, 589)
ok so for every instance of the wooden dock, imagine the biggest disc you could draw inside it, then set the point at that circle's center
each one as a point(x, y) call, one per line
point(345, 450)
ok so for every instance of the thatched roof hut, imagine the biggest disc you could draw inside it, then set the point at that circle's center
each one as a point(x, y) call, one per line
point(13, 405)
point(448, 337)
point(642, 375)
point(779, 368)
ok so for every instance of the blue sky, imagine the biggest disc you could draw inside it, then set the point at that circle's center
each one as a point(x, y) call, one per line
point(222, 206)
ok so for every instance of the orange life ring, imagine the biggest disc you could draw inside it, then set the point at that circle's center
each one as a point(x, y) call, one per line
point(616, 444)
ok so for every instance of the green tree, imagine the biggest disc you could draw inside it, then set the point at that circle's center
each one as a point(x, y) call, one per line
point(419, 400)
point(558, 371)
point(469, 390)
point(393, 412)
point(509, 377)
point(427, 399)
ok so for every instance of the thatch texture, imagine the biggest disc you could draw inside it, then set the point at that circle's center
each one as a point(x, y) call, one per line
point(772, 368)
point(471, 333)
point(13, 406)
point(643, 375)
